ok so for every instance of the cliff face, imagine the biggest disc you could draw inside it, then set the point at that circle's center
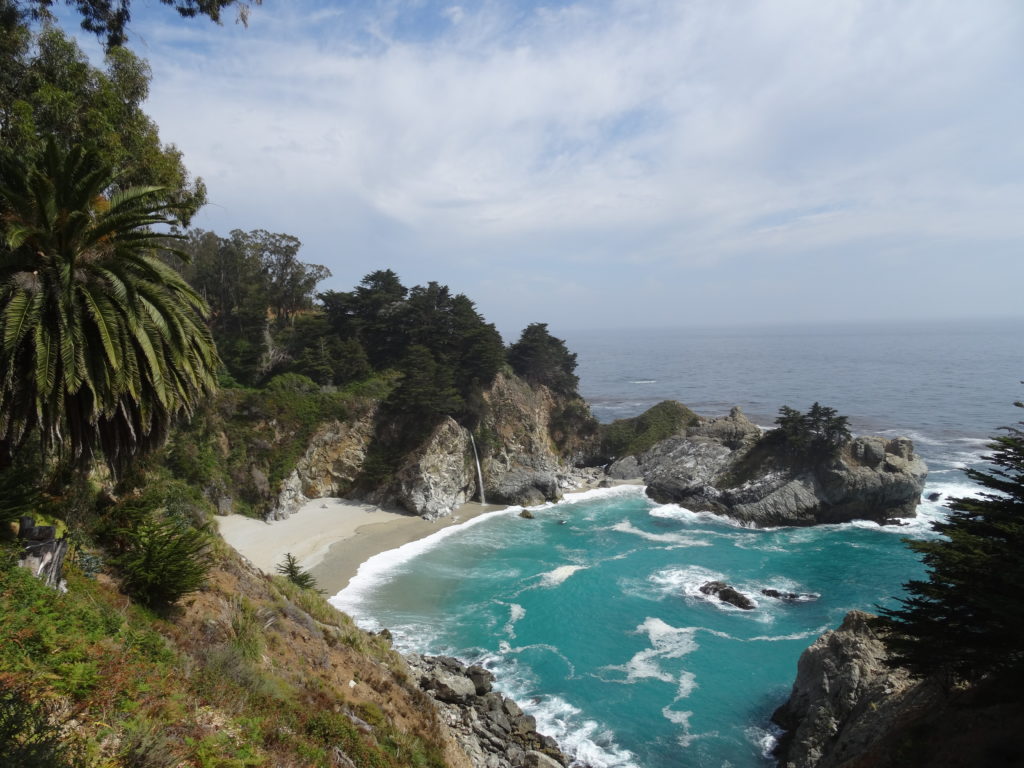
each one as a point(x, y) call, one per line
point(522, 463)
point(848, 709)
point(526, 441)
point(330, 465)
point(722, 466)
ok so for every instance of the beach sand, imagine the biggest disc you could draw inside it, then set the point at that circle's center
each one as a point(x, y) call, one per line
point(331, 538)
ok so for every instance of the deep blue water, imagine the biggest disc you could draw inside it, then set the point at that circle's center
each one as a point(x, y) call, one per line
point(591, 613)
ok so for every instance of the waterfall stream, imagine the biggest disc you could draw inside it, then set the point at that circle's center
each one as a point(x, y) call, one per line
point(479, 474)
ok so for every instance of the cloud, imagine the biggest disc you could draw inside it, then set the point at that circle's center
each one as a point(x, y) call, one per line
point(494, 143)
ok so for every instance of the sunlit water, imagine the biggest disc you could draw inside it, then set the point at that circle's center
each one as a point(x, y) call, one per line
point(591, 614)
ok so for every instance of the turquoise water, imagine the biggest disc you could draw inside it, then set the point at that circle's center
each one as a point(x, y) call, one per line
point(591, 615)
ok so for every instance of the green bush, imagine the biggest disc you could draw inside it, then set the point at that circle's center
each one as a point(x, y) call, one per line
point(294, 572)
point(631, 437)
point(29, 735)
point(163, 559)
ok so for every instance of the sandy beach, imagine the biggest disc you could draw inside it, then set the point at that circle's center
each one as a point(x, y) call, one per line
point(332, 537)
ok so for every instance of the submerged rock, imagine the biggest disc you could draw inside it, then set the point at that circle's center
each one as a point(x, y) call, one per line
point(728, 594)
point(790, 597)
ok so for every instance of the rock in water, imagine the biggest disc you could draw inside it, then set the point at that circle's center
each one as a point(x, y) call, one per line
point(728, 594)
point(526, 514)
point(722, 466)
point(790, 597)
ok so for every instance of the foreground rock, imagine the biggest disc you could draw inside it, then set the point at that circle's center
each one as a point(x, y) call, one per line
point(849, 709)
point(492, 729)
point(723, 466)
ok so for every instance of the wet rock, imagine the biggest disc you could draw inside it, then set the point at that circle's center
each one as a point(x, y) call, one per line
point(790, 597)
point(728, 594)
point(526, 514)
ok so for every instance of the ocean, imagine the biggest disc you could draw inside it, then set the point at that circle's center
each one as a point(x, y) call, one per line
point(591, 614)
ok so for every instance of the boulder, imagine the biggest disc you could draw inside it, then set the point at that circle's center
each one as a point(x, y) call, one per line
point(728, 594)
point(448, 686)
point(526, 514)
point(534, 759)
point(626, 468)
point(524, 487)
point(482, 679)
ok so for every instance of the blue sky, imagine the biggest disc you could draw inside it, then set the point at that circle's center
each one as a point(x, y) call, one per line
point(629, 163)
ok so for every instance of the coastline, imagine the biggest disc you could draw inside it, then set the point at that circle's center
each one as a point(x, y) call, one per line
point(332, 537)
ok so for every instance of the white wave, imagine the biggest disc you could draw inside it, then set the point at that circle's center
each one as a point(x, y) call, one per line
point(687, 581)
point(681, 513)
point(673, 539)
point(378, 569)
point(586, 741)
point(766, 739)
point(559, 575)
point(667, 642)
point(687, 684)
point(794, 636)
point(644, 381)
point(515, 613)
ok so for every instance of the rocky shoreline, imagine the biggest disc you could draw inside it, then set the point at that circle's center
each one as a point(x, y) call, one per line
point(491, 728)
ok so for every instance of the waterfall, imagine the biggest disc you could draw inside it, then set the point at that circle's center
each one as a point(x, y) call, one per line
point(479, 474)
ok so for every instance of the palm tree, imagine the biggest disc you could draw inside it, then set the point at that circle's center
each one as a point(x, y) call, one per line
point(102, 345)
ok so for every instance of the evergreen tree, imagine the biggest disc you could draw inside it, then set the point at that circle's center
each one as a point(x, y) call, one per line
point(967, 620)
point(291, 570)
point(542, 359)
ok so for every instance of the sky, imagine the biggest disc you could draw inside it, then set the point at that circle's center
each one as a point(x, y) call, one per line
point(620, 163)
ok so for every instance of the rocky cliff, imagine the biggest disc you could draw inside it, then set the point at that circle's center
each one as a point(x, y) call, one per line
point(849, 709)
point(528, 441)
point(724, 466)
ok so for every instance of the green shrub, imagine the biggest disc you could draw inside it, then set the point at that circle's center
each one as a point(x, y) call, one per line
point(29, 735)
point(163, 559)
point(294, 572)
point(631, 437)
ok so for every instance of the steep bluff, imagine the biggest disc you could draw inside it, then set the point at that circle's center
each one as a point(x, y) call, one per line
point(850, 709)
point(528, 439)
point(724, 466)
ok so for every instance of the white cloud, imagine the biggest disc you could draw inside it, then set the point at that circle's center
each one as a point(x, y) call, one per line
point(658, 136)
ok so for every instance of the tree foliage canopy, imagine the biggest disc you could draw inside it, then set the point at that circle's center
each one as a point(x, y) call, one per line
point(819, 432)
point(967, 619)
point(103, 344)
point(50, 91)
point(542, 359)
point(108, 19)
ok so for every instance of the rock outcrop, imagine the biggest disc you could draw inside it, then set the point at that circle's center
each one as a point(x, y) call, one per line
point(723, 466)
point(844, 697)
point(849, 708)
point(330, 465)
point(437, 477)
point(491, 729)
point(521, 462)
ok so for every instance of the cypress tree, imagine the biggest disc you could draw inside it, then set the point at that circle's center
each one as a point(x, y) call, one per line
point(967, 620)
